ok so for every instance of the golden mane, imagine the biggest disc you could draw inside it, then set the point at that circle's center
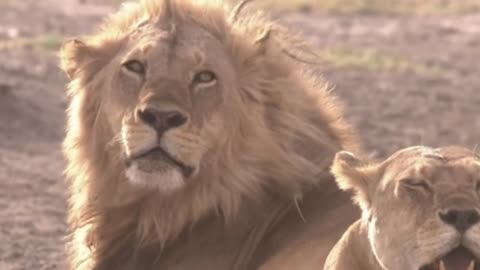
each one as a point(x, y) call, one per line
point(288, 153)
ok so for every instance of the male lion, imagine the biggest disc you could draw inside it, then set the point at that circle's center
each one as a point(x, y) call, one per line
point(197, 140)
point(421, 211)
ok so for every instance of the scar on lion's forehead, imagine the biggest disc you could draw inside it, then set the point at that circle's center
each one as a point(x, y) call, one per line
point(198, 56)
point(143, 27)
point(141, 24)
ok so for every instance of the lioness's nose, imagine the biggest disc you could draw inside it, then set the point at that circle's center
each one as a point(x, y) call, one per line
point(161, 121)
point(460, 219)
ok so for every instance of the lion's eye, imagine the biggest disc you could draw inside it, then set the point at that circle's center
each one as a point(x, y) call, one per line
point(135, 66)
point(413, 183)
point(204, 77)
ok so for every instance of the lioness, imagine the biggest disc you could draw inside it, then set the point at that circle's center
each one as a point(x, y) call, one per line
point(421, 211)
point(198, 139)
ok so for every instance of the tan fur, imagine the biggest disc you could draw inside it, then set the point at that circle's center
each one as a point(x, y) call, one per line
point(401, 200)
point(261, 140)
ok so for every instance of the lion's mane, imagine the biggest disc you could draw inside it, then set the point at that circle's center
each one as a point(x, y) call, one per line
point(290, 128)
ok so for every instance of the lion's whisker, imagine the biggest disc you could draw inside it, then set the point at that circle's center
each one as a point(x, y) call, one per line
point(115, 140)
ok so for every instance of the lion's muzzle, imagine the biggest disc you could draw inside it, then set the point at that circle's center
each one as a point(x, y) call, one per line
point(158, 154)
point(162, 121)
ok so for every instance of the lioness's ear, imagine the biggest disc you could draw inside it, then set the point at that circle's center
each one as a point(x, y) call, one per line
point(352, 173)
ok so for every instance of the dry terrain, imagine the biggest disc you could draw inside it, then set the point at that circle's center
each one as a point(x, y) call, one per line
point(404, 79)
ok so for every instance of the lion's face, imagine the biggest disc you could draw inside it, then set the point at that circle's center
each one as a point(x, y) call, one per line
point(168, 96)
point(175, 87)
point(422, 207)
point(196, 100)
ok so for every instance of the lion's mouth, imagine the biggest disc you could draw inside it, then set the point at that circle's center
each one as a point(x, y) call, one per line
point(158, 153)
point(458, 259)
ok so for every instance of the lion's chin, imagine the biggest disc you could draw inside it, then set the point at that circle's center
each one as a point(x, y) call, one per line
point(166, 180)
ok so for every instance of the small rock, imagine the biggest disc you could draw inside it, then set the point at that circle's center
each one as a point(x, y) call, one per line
point(5, 89)
point(305, 8)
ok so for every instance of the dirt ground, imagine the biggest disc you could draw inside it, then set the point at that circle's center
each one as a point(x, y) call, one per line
point(392, 108)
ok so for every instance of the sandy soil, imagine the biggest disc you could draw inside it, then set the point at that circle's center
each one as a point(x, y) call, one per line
point(391, 109)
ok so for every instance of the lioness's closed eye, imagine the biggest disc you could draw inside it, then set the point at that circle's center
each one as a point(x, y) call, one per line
point(421, 211)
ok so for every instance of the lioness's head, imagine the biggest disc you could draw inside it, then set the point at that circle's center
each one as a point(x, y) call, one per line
point(422, 206)
point(179, 91)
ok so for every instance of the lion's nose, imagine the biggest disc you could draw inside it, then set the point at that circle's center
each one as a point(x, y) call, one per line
point(162, 121)
point(460, 219)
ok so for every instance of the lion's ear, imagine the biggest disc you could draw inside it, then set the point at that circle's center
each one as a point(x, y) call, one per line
point(78, 55)
point(72, 54)
point(357, 175)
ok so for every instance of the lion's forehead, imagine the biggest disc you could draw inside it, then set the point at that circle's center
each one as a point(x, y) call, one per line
point(187, 38)
point(180, 54)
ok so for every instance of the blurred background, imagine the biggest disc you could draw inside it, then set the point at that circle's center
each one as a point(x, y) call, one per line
point(407, 70)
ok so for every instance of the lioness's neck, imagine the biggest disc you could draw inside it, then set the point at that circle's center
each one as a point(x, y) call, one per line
point(353, 251)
